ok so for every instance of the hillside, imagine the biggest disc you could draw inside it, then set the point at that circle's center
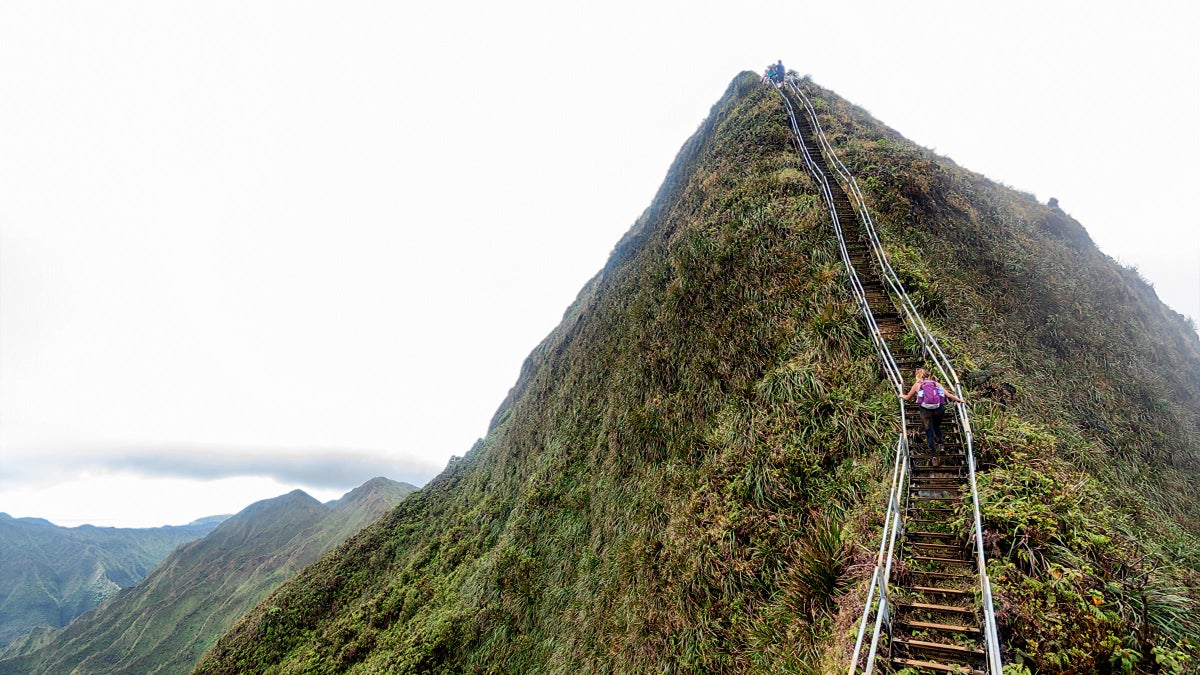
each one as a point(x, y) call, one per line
point(166, 622)
point(49, 574)
point(689, 473)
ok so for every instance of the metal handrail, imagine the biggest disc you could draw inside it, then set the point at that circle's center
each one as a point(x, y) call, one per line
point(860, 295)
point(928, 342)
point(893, 521)
point(941, 364)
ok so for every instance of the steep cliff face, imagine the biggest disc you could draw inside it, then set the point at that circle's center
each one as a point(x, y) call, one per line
point(689, 473)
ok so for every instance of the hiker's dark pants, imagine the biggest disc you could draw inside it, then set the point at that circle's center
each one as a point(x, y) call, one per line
point(932, 419)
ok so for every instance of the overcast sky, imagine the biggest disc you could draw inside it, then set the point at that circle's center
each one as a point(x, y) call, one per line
point(251, 246)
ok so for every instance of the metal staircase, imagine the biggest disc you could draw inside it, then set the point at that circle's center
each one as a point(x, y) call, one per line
point(937, 619)
point(936, 615)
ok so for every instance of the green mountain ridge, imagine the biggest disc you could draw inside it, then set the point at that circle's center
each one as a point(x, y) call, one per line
point(165, 623)
point(690, 472)
point(50, 574)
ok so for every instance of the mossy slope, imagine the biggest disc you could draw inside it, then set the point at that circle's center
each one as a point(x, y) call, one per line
point(688, 474)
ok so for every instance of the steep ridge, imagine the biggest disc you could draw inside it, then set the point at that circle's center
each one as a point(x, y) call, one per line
point(49, 574)
point(165, 623)
point(688, 474)
point(1077, 551)
point(933, 608)
point(643, 495)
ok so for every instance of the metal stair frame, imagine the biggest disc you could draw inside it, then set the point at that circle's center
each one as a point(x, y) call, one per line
point(941, 364)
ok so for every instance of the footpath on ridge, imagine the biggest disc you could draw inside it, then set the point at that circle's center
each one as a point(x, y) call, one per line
point(932, 618)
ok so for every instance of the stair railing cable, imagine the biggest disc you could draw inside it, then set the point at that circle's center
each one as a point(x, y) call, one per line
point(941, 363)
point(893, 519)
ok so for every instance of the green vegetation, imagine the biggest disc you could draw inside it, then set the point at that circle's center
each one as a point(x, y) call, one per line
point(165, 623)
point(688, 476)
point(49, 574)
point(1086, 392)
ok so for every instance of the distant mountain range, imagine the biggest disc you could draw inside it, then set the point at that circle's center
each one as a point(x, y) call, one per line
point(165, 623)
point(50, 574)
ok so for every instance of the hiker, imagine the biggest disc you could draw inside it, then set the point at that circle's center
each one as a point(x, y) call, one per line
point(770, 74)
point(932, 397)
point(779, 73)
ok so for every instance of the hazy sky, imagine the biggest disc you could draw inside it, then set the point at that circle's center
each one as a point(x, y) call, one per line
point(251, 246)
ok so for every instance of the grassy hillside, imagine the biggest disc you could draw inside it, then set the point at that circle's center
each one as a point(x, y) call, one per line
point(688, 475)
point(49, 574)
point(164, 624)
point(1087, 391)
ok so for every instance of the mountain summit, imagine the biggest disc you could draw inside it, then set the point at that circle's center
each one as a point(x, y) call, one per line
point(690, 473)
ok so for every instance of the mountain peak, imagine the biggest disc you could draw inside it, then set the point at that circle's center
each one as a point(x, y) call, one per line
point(374, 490)
point(687, 473)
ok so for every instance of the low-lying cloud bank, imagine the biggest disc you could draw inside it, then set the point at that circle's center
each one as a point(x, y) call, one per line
point(333, 468)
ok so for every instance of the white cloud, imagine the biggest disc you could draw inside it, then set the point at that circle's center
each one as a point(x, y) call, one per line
point(123, 499)
point(295, 225)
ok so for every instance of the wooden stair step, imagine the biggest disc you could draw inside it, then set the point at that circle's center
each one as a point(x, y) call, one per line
point(911, 534)
point(944, 575)
point(924, 469)
point(942, 627)
point(948, 548)
point(951, 561)
point(930, 509)
point(935, 589)
point(946, 648)
point(940, 667)
point(928, 607)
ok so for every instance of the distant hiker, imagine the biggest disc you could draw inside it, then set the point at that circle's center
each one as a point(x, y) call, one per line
point(779, 73)
point(932, 397)
point(775, 74)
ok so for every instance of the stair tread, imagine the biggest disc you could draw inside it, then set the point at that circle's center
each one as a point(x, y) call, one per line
point(936, 608)
point(935, 589)
point(955, 649)
point(941, 560)
point(943, 547)
point(943, 667)
point(946, 627)
point(943, 575)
